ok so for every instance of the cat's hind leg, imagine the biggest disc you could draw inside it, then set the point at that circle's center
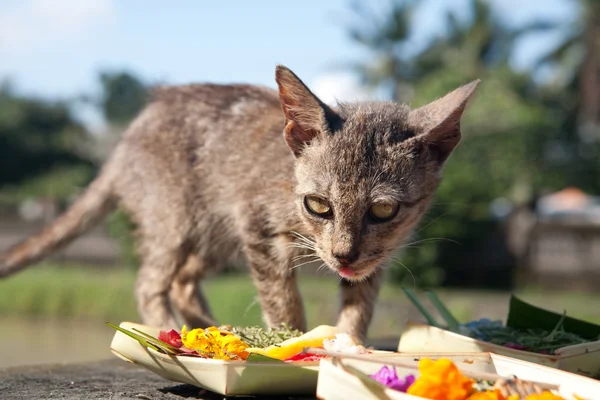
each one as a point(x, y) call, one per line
point(159, 266)
point(186, 294)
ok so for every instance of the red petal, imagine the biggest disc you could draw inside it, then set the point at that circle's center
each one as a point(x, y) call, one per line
point(171, 337)
point(304, 357)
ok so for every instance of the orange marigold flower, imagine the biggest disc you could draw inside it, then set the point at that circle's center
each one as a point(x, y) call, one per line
point(215, 344)
point(544, 396)
point(487, 395)
point(441, 380)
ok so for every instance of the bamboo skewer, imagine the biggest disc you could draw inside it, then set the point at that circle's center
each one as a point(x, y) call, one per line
point(488, 376)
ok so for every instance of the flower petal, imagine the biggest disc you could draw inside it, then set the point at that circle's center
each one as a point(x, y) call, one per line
point(171, 337)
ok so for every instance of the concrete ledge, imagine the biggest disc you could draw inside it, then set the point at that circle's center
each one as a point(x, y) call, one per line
point(114, 380)
point(111, 379)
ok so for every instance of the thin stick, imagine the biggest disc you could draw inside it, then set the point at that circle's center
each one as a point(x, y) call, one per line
point(488, 376)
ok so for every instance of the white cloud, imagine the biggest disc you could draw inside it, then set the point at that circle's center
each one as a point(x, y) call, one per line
point(30, 24)
point(331, 88)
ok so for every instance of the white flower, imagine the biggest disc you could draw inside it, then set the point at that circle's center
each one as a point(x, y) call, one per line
point(343, 343)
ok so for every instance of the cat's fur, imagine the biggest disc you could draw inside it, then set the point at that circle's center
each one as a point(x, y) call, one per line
point(206, 175)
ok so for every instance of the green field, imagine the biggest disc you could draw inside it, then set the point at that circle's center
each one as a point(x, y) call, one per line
point(107, 294)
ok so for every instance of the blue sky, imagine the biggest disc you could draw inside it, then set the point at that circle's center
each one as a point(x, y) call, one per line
point(55, 48)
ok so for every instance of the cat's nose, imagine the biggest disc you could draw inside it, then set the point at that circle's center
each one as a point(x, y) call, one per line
point(346, 258)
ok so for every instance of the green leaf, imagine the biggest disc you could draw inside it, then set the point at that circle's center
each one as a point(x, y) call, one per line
point(254, 357)
point(444, 312)
point(522, 315)
point(421, 308)
point(134, 336)
point(147, 340)
point(159, 343)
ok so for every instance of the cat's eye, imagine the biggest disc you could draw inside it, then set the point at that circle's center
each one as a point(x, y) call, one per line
point(381, 212)
point(318, 206)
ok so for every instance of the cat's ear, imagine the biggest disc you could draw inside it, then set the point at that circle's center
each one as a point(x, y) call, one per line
point(306, 116)
point(438, 123)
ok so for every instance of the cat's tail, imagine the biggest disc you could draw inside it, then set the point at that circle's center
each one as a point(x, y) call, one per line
point(84, 213)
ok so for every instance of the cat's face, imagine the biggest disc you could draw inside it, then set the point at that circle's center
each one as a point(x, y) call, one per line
point(361, 190)
point(365, 172)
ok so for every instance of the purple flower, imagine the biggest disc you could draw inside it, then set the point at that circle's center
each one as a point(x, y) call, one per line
point(389, 378)
point(516, 346)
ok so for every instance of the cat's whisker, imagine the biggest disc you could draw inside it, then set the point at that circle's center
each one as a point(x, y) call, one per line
point(323, 266)
point(409, 246)
point(301, 246)
point(310, 260)
point(299, 235)
point(301, 251)
point(296, 258)
point(395, 259)
point(254, 302)
point(304, 263)
point(303, 238)
point(297, 240)
point(432, 222)
point(429, 240)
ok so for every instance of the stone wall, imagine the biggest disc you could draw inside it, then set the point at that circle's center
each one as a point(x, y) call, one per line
point(93, 247)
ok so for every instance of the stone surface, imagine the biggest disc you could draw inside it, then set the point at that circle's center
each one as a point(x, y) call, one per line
point(112, 379)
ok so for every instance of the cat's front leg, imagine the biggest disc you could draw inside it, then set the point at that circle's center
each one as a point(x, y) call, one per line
point(276, 282)
point(358, 304)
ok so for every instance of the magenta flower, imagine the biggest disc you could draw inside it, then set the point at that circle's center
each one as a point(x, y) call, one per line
point(389, 378)
point(516, 346)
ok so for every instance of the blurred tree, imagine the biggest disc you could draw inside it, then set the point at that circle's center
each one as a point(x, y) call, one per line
point(574, 94)
point(483, 42)
point(387, 37)
point(123, 96)
point(45, 152)
point(38, 139)
point(501, 154)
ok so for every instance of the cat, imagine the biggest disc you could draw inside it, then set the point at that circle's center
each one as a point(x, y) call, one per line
point(213, 172)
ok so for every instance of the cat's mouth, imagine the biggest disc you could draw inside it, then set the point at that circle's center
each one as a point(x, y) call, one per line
point(346, 272)
point(357, 271)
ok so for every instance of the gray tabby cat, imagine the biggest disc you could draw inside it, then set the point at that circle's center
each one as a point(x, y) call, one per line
point(206, 176)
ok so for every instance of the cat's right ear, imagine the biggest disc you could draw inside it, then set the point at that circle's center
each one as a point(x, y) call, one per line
point(306, 116)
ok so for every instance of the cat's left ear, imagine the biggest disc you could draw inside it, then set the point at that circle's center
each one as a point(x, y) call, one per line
point(438, 123)
point(306, 116)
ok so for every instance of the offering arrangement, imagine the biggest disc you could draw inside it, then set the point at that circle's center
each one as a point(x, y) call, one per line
point(246, 343)
point(442, 379)
point(528, 328)
point(253, 361)
point(529, 333)
point(448, 378)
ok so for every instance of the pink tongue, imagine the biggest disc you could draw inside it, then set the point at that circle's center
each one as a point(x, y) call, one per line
point(346, 272)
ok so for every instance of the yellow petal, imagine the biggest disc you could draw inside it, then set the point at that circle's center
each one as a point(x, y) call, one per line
point(293, 346)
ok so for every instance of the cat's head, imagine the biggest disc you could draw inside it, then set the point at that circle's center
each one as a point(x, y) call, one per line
point(365, 172)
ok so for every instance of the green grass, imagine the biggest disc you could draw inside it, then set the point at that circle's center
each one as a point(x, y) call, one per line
point(93, 292)
point(107, 294)
point(69, 292)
